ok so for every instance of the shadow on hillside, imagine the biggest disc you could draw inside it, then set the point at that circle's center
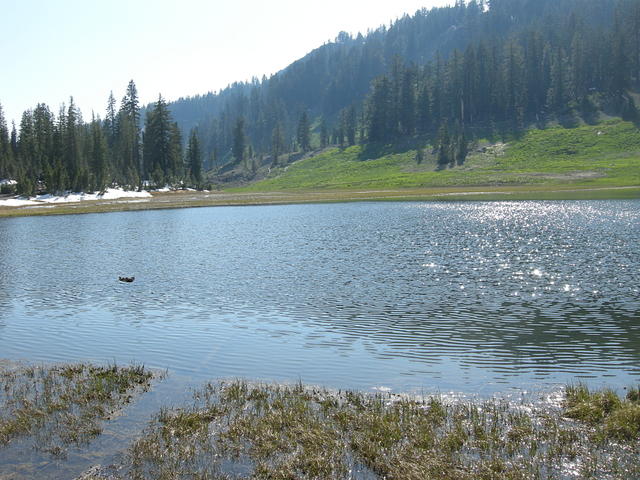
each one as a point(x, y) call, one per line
point(371, 151)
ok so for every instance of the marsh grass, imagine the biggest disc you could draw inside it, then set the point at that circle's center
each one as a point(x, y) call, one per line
point(63, 405)
point(242, 430)
point(613, 418)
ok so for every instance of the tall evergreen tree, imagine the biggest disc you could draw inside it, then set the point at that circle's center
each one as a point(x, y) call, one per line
point(304, 132)
point(157, 145)
point(6, 157)
point(98, 156)
point(111, 121)
point(445, 156)
point(350, 124)
point(239, 141)
point(515, 87)
point(129, 136)
point(407, 110)
point(194, 158)
point(176, 168)
point(324, 134)
point(380, 106)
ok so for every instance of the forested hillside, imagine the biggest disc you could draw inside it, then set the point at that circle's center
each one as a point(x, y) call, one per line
point(501, 64)
point(445, 74)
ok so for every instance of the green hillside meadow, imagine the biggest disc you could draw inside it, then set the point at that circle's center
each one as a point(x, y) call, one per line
point(604, 155)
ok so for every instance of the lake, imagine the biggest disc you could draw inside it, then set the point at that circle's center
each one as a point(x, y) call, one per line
point(434, 297)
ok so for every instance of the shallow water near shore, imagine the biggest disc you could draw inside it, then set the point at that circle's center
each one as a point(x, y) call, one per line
point(426, 297)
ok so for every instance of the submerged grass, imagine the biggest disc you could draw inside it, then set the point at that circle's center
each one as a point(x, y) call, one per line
point(238, 429)
point(242, 430)
point(63, 405)
point(613, 418)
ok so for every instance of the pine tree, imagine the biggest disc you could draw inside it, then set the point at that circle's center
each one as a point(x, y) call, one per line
point(379, 118)
point(515, 84)
point(98, 156)
point(407, 114)
point(129, 137)
point(304, 132)
point(444, 146)
point(26, 151)
point(277, 143)
point(239, 141)
point(175, 171)
point(6, 157)
point(350, 124)
point(73, 151)
point(558, 93)
point(324, 134)
point(13, 140)
point(157, 145)
point(462, 149)
point(110, 121)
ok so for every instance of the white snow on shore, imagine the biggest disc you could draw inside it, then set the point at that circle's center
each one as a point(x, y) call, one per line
point(4, 181)
point(109, 194)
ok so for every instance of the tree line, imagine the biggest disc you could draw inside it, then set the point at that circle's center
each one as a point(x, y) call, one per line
point(445, 74)
point(61, 153)
point(499, 64)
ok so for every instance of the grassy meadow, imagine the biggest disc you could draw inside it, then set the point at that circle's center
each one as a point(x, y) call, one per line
point(589, 156)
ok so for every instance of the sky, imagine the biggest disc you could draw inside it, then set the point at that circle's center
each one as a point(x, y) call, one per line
point(54, 49)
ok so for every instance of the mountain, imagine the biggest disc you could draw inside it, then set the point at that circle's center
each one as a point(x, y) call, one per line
point(441, 78)
point(553, 45)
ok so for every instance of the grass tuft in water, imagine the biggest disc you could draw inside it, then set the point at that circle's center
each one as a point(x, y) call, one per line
point(242, 430)
point(65, 404)
point(613, 418)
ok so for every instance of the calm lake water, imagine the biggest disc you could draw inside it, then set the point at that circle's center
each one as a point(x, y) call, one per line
point(464, 297)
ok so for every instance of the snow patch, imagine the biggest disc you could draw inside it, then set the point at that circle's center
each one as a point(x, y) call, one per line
point(16, 202)
point(8, 182)
point(73, 197)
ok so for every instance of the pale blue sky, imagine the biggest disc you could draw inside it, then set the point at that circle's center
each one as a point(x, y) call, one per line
point(51, 50)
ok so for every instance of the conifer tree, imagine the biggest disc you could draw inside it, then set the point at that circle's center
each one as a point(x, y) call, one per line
point(194, 158)
point(98, 156)
point(110, 121)
point(13, 141)
point(407, 108)
point(239, 141)
point(462, 149)
point(350, 124)
point(380, 105)
point(157, 144)
point(277, 143)
point(324, 134)
point(176, 160)
point(444, 145)
point(129, 136)
point(6, 157)
point(304, 133)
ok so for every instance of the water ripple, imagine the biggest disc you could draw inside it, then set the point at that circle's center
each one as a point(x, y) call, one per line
point(457, 296)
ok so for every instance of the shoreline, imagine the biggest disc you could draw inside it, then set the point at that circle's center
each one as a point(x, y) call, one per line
point(273, 430)
point(190, 199)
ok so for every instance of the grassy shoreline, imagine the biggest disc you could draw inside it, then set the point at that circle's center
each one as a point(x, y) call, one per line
point(589, 162)
point(179, 199)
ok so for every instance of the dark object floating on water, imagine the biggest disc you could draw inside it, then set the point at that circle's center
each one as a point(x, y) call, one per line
point(126, 279)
